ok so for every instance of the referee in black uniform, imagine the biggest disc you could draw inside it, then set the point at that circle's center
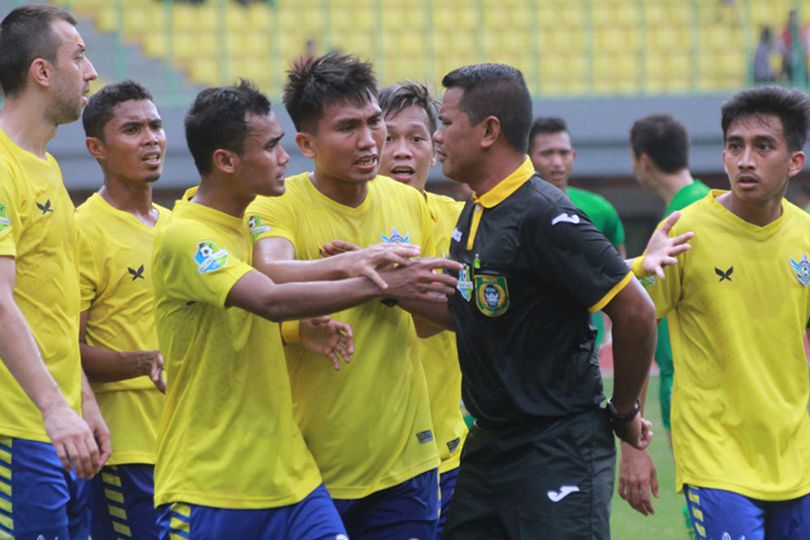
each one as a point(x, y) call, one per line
point(539, 464)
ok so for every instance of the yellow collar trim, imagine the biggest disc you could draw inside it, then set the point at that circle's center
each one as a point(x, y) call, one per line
point(507, 186)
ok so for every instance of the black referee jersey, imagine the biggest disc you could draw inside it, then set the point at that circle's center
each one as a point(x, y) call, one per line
point(521, 309)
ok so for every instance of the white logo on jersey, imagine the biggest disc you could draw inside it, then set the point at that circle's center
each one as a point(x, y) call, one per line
point(565, 218)
point(565, 491)
point(456, 235)
point(341, 537)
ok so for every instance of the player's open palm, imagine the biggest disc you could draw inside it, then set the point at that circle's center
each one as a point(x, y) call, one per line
point(326, 336)
point(73, 440)
point(662, 250)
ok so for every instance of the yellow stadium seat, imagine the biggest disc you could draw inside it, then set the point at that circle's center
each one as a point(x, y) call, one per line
point(204, 71)
point(155, 46)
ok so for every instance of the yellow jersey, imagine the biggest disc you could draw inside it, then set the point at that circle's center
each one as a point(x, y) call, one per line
point(368, 425)
point(227, 437)
point(115, 280)
point(37, 228)
point(738, 305)
point(439, 355)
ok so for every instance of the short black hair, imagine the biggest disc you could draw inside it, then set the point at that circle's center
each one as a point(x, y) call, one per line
point(101, 106)
point(394, 99)
point(217, 119)
point(495, 90)
point(546, 125)
point(315, 83)
point(25, 35)
point(790, 105)
point(662, 138)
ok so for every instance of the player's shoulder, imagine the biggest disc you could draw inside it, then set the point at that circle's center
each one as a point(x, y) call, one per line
point(797, 215)
point(295, 189)
point(90, 215)
point(443, 203)
point(390, 192)
point(592, 200)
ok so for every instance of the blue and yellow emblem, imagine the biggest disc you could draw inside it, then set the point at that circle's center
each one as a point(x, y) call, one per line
point(210, 257)
point(396, 238)
point(5, 220)
point(491, 295)
point(802, 269)
point(464, 284)
point(257, 227)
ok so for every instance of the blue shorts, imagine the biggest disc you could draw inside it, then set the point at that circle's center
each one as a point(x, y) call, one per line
point(123, 503)
point(314, 518)
point(447, 484)
point(721, 514)
point(38, 497)
point(405, 511)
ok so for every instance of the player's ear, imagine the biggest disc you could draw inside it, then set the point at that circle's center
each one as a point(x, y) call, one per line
point(224, 160)
point(306, 144)
point(40, 71)
point(491, 126)
point(95, 147)
point(797, 160)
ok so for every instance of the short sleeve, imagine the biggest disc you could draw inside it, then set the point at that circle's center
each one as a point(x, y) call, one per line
point(89, 276)
point(567, 250)
point(270, 217)
point(9, 212)
point(429, 243)
point(190, 265)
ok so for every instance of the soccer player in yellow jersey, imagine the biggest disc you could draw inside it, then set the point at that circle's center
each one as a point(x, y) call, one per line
point(369, 426)
point(44, 442)
point(738, 305)
point(230, 453)
point(117, 227)
point(410, 112)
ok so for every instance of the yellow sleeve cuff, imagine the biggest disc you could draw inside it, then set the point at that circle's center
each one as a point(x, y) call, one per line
point(611, 293)
point(290, 332)
point(638, 267)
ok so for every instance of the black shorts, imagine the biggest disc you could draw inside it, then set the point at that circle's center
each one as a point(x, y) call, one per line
point(553, 483)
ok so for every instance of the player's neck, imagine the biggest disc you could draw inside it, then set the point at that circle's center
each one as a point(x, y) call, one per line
point(670, 184)
point(351, 194)
point(134, 199)
point(24, 122)
point(494, 170)
point(760, 213)
point(220, 195)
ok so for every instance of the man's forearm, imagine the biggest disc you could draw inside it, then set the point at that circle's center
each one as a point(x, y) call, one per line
point(433, 313)
point(633, 349)
point(105, 365)
point(21, 355)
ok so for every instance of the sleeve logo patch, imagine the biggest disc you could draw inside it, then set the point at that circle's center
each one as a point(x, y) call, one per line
point(802, 269)
point(491, 295)
point(565, 218)
point(5, 220)
point(210, 257)
point(257, 227)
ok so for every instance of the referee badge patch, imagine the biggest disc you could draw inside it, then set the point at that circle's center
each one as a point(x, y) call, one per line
point(491, 295)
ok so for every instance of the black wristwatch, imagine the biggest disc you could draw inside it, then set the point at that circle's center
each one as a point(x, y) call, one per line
point(616, 418)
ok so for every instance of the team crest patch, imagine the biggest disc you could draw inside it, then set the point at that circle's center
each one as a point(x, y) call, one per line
point(257, 227)
point(464, 284)
point(491, 295)
point(210, 257)
point(396, 238)
point(5, 220)
point(802, 269)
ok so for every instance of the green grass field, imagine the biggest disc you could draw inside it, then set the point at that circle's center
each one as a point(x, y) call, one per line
point(667, 523)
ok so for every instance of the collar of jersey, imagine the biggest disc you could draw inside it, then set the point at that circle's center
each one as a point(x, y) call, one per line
point(185, 208)
point(507, 186)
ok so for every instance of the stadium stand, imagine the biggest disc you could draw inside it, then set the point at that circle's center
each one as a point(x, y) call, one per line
point(565, 47)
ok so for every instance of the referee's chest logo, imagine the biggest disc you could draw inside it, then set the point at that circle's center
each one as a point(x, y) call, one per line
point(491, 294)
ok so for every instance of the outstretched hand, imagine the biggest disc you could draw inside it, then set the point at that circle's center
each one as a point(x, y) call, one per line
point(367, 262)
point(326, 336)
point(662, 250)
point(637, 479)
point(423, 279)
